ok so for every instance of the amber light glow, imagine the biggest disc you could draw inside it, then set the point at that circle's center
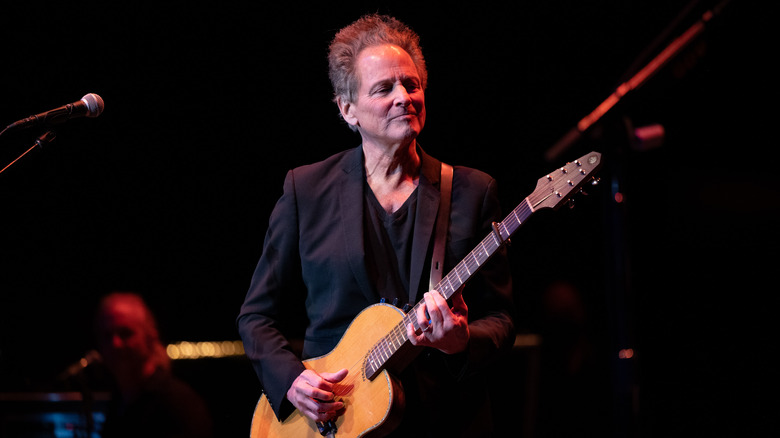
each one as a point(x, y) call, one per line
point(200, 350)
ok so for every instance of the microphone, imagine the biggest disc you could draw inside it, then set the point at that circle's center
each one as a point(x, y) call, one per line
point(89, 358)
point(91, 105)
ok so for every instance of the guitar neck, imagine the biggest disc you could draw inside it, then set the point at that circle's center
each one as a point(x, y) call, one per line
point(552, 190)
point(450, 284)
point(467, 267)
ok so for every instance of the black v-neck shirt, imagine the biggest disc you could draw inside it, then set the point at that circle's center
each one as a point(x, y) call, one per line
point(388, 245)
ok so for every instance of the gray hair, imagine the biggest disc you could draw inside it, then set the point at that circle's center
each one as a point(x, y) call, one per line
point(368, 31)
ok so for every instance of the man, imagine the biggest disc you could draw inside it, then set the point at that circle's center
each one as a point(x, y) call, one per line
point(358, 227)
point(150, 401)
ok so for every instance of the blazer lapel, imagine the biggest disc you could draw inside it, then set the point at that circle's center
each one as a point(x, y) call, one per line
point(428, 197)
point(351, 207)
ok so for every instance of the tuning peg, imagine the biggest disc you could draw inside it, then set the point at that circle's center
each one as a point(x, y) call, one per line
point(595, 181)
point(570, 202)
point(583, 192)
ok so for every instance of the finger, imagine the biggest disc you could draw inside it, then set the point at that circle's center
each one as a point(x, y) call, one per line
point(328, 409)
point(306, 391)
point(336, 377)
point(317, 408)
point(414, 337)
point(435, 304)
point(319, 381)
point(422, 319)
point(459, 304)
point(321, 411)
point(307, 405)
point(310, 377)
point(313, 385)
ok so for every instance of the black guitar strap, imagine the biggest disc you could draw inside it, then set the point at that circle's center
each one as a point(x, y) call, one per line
point(442, 224)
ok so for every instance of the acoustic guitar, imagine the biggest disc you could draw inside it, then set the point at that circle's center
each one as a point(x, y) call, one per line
point(376, 340)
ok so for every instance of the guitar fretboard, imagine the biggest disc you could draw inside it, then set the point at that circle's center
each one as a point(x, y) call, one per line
point(551, 191)
point(383, 350)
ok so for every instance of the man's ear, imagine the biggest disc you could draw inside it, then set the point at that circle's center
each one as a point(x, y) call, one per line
point(347, 111)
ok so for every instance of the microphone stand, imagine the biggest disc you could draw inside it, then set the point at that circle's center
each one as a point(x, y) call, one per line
point(43, 140)
point(574, 134)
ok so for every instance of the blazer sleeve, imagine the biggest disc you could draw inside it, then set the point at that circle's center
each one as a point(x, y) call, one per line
point(275, 290)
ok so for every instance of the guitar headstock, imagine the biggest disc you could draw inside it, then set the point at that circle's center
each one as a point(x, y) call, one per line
point(555, 188)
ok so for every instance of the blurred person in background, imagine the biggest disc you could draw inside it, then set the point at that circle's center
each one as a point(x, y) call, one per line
point(149, 401)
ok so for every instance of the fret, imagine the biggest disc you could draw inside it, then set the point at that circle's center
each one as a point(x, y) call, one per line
point(399, 339)
point(525, 208)
point(372, 365)
point(462, 277)
point(498, 230)
point(444, 289)
point(387, 352)
point(449, 281)
point(484, 250)
point(391, 348)
point(490, 245)
point(472, 264)
point(495, 239)
point(517, 218)
point(452, 287)
point(450, 290)
point(376, 361)
point(458, 274)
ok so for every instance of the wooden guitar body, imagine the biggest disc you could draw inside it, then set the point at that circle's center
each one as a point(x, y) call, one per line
point(372, 407)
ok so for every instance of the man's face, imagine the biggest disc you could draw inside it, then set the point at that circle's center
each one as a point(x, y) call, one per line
point(390, 104)
point(124, 336)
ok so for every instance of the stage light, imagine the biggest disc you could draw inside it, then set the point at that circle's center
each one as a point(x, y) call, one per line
point(207, 349)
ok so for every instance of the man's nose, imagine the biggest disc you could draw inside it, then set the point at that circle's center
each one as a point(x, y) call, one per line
point(116, 341)
point(402, 97)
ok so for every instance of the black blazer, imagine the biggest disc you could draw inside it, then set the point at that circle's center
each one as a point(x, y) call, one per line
point(313, 264)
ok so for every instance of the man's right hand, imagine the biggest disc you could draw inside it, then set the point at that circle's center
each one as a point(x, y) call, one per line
point(313, 394)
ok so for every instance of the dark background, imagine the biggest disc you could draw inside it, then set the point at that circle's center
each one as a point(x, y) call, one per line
point(206, 107)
